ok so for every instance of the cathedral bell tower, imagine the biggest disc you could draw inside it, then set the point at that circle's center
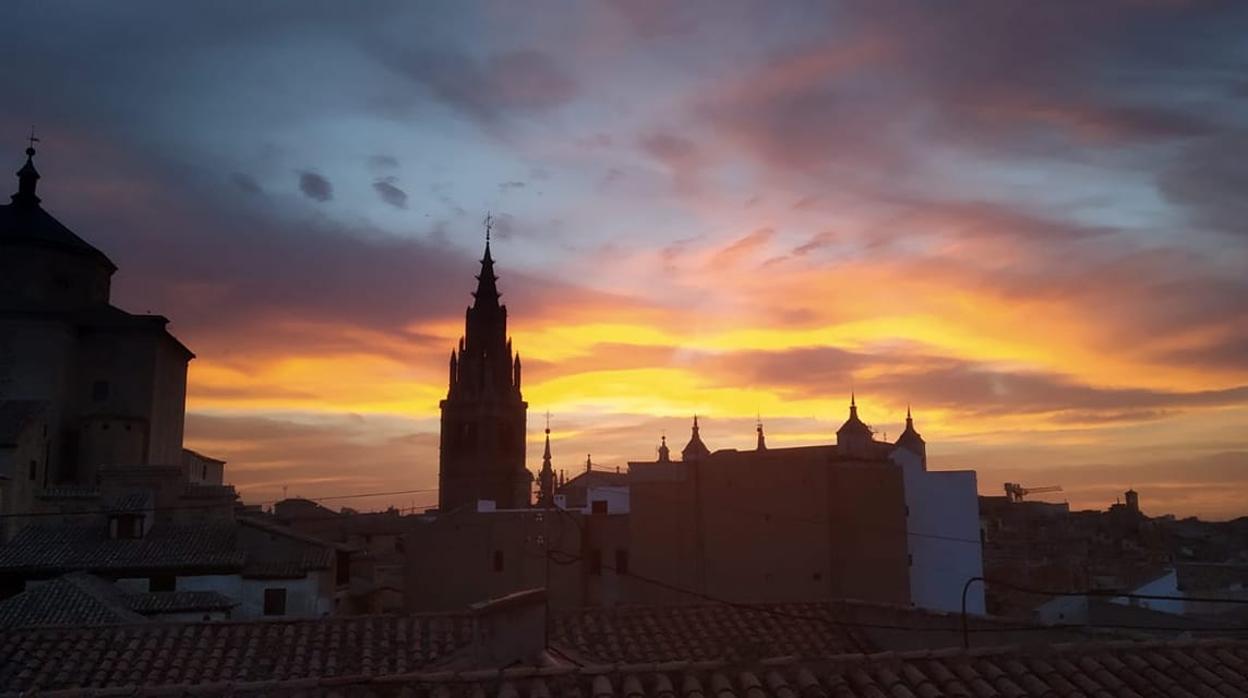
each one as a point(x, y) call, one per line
point(483, 415)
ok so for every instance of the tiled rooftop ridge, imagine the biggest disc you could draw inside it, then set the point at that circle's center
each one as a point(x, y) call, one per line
point(1182, 668)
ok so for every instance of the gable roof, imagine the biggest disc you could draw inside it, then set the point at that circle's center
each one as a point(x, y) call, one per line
point(81, 599)
point(202, 654)
point(594, 478)
point(74, 599)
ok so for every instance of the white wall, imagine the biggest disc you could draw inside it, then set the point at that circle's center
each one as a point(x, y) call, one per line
point(616, 498)
point(943, 535)
point(305, 597)
point(1166, 585)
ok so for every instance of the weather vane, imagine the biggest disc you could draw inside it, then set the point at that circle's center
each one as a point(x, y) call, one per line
point(489, 224)
point(32, 138)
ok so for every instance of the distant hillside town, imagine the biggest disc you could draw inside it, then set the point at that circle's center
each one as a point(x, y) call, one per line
point(127, 561)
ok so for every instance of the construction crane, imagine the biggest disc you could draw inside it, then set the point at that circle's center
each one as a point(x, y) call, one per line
point(1016, 492)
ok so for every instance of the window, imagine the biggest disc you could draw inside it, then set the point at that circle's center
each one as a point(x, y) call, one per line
point(128, 526)
point(598, 506)
point(342, 567)
point(621, 561)
point(274, 602)
point(34, 469)
point(498, 561)
point(203, 475)
point(99, 391)
point(595, 561)
point(162, 582)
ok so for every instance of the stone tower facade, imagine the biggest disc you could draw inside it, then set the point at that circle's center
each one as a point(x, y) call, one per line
point(484, 414)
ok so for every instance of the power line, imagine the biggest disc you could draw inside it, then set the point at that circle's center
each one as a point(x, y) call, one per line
point(193, 507)
point(843, 624)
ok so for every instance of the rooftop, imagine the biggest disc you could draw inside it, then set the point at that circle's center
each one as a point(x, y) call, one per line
point(390, 656)
point(81, 599)
point(159, 653)
point(57, 549)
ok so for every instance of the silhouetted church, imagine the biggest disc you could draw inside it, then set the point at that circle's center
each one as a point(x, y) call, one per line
point(86, 388)
point(484, 414)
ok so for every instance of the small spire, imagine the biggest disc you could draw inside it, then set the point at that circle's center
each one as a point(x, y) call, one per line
point(909, 419)
point(762, 442)
point(695, 448)
point(589, 464)
point(547, 481)
point(665, 454)
point(487, 283)
point(28, 176)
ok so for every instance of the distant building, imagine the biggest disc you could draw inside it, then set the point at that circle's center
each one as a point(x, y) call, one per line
point(261, 569)
point(860, 519)
point(462, 557)
point(84, 386)
point(482, 447)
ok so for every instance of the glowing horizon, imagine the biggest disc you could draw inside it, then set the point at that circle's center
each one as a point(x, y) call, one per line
point(1022, 223)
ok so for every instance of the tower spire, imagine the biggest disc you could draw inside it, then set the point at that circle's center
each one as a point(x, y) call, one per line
point(546, 477)
point(28, 176)
point(762, 442)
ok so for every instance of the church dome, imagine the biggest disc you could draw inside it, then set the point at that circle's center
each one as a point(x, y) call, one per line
point(44, 265)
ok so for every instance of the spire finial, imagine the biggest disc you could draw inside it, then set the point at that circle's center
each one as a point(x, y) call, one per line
point(548, 421)
point(28, 176)
point(489, 226)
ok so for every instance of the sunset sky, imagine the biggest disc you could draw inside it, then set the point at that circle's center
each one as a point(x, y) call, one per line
point(1029, 220)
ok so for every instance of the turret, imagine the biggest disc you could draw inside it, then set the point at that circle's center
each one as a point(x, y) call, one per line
point(854, 437)
point(695, 449)
point(911, 440)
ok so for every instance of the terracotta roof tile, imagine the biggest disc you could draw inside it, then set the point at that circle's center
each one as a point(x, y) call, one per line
point(55, 549)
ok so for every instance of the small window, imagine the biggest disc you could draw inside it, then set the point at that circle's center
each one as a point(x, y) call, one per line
point(34, 469)
point(129, 526)
point(498, 561)
point(162, 582)
point(595, 561)
point(274, 602)
point(342, 567)
point(99, 391)
point(621, 561)
point(598, 506)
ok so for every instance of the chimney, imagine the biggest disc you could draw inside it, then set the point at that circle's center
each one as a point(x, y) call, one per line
point(510, 629)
